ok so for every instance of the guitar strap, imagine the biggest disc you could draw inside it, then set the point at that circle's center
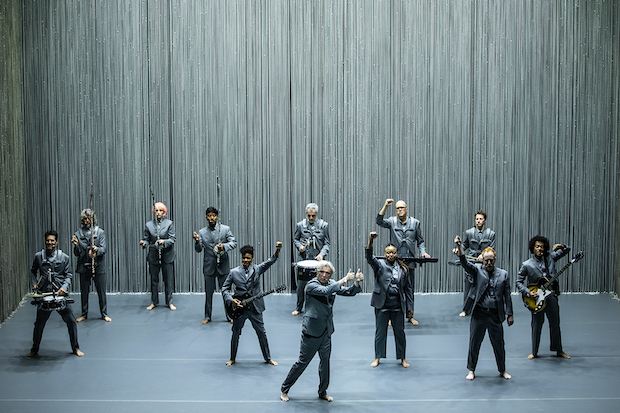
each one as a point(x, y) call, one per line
point(555, 286)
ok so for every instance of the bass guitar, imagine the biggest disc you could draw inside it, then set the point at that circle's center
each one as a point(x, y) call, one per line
point(234, 311)
point(543, 287)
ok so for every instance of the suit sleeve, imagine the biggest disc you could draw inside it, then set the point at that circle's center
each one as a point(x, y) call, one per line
point(172, 237)
point(556, 255)
point(68, 276)
point(372, 261)
point(101, 249)
point(297, 237)
point(264, 266)
point(382, 222)
point(34, 271)
point(349, 291)
point(325, 249)
point(507, 296)
point(231, 242)
point(226, 289)
point(470, 269)
point(492, 237)
point(521, 277)
point(420, 240)
point(318, 289)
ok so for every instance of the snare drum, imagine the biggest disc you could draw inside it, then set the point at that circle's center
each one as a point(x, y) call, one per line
point(306, 270)
point(53, 303)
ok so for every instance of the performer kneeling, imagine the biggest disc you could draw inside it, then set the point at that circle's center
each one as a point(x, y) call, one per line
point(54, 276)
point(246, 279)
point(392, 298)
point(318, 325)
point(492, 303)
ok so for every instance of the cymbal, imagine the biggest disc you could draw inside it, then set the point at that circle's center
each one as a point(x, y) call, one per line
point(38, 295)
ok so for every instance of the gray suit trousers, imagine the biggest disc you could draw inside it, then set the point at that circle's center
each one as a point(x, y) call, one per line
point(309, 347)
point(481, 321)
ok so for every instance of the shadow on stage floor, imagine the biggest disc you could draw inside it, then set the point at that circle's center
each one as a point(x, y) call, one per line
point(162, 360)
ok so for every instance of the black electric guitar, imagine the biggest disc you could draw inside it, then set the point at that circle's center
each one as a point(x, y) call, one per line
point(543, 287)
point(234, 312)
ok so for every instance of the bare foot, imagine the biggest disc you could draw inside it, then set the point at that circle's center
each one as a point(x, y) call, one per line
point(106, 318)
point(389, 322)
point(205, 321)
point(462, 314)
point(327, 397)
point(374, 363)
point(80, 319)
point(470, 375)
point(404, 363)
point(272, 362)
point(532, 356)
point(172, 307)
point(293, 313)
point(150, 307)
point(284, 396)
point(505, 375)
point(230, 362)
point(31, 354)
point(413, 321)
point(78, 353)
point(563, 354)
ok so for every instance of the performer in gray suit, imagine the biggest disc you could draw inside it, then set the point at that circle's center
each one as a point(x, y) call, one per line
point(492, 303)
point(84, 249)
point(246, 280)
point(405, 234)
point(311, 239)
point(391, 298)
point(51, 272)
point(475, 240)
point(318, 325)
point(159, 236)
point(216, 240)
point(542, 264)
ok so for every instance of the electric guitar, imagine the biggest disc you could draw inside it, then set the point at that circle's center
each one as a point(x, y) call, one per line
point(543, 287)
point(234, 312)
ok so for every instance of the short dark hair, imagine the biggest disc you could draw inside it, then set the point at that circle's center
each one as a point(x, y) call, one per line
point(539, 238)
point(481, 212)
point(211, 210)
point(51, 232)
point(247, 249)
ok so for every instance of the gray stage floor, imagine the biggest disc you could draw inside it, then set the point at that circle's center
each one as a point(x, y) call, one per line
point(165, 361)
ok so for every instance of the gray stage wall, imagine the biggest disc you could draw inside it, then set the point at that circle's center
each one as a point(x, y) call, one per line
point(453, 106)
point(13, 257)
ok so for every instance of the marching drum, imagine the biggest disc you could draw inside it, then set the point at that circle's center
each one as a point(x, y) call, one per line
point(306, 270)
point(53, 303)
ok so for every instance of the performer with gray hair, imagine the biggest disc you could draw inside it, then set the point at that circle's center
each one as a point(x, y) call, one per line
point(311, 240)
point(159, 237)
point(88, 242)
point(318, 325)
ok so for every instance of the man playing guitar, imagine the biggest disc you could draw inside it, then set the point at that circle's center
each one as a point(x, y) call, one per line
point(542, 264)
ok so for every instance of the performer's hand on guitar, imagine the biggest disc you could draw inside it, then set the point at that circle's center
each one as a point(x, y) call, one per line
point(61, 291)
point(510, 320)
point(533, 293)
point(236, 303)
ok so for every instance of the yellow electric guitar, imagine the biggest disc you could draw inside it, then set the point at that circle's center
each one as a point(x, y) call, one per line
point(543, 287)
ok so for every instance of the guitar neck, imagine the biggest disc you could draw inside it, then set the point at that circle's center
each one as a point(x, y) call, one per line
point(552, 280)
point(256, 297)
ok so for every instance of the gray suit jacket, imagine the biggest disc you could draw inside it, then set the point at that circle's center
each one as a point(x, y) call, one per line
point(383, 275)
point(404, 237)
point(311, 236)
point(57, 264)
point(251, 285)
point(318, 315)
point(165, 232)
point(474, 242)
point(208, 239)
point(479, 277)
point(81, 250)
